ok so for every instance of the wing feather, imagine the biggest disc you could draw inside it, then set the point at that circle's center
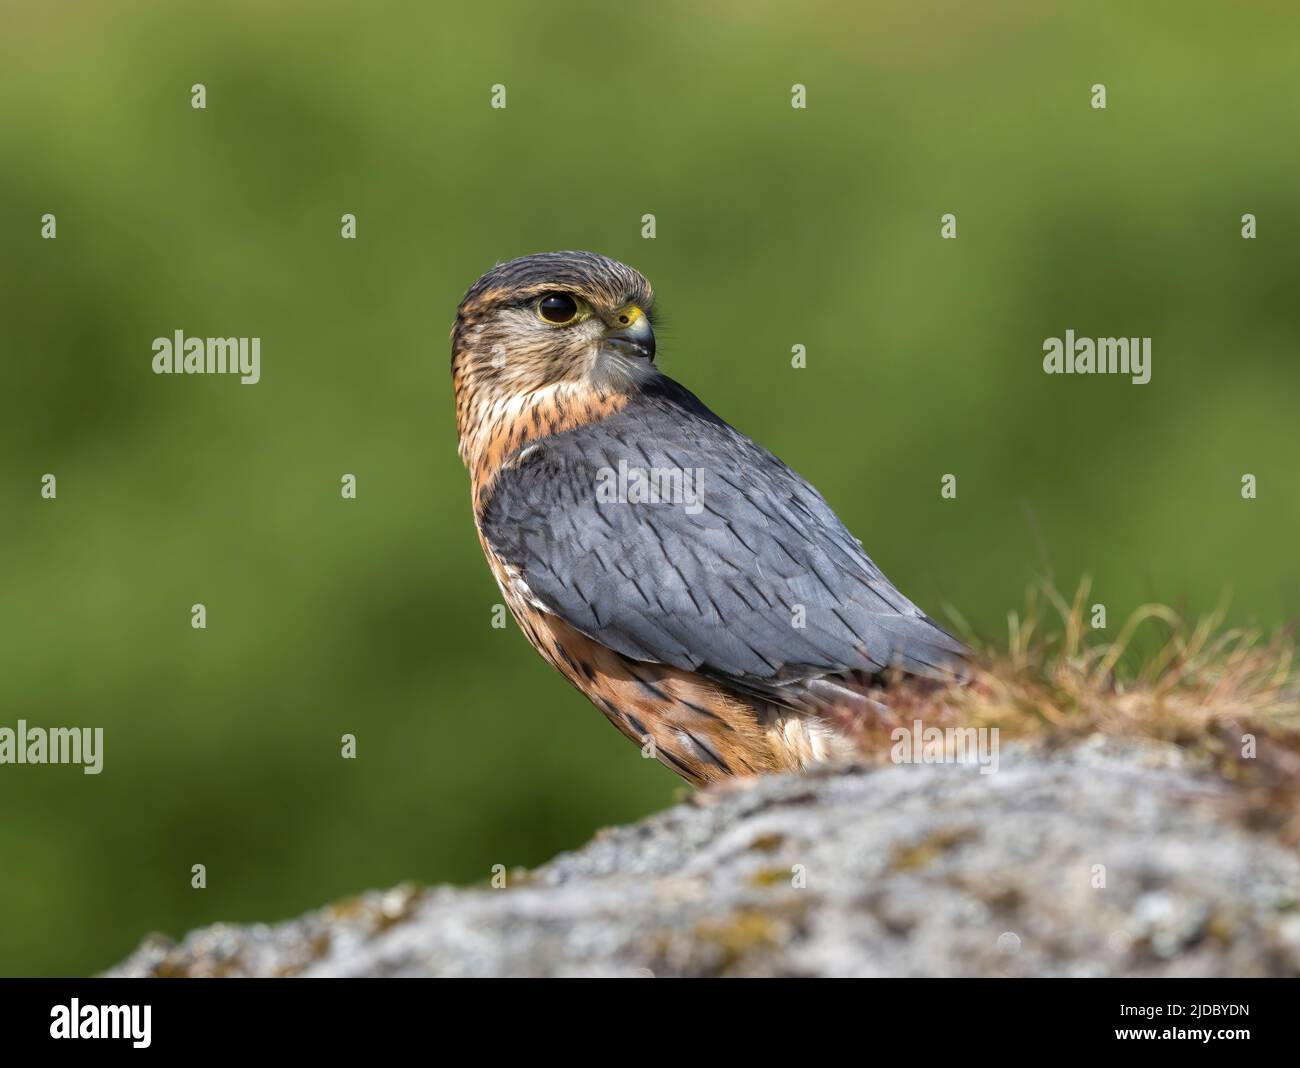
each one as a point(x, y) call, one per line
point(711, 584)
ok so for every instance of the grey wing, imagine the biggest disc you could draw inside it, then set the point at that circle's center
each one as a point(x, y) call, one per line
point(746, 576)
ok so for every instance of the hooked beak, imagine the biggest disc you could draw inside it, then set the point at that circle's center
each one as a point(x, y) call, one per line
point(630, 333)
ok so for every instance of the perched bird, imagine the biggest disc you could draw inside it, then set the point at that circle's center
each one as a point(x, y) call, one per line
point(700, 593)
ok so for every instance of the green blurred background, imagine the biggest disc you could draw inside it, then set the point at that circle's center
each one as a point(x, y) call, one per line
point(775, 227)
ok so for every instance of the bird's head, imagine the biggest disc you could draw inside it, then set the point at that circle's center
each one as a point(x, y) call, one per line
point(569, 320)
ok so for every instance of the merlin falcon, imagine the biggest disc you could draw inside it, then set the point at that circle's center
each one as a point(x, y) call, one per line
point(732, 630)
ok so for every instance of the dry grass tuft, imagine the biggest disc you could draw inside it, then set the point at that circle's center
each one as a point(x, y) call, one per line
point(1230, 697)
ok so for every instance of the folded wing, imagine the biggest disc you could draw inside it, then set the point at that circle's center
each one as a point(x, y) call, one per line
point(743, 574)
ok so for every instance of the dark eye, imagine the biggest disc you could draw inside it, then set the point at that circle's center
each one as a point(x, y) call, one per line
point(558, 308)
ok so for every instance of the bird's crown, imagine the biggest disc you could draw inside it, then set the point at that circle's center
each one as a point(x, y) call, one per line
point(589, 274)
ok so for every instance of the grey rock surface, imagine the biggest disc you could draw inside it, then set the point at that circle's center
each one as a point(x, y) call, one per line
point(1106, 859)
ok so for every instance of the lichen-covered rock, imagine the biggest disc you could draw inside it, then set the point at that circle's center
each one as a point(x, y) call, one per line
point(1105, 859)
